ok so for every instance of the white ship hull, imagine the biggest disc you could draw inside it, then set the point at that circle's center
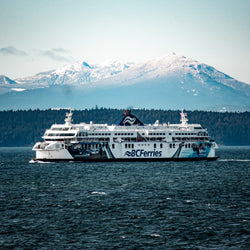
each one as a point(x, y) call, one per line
point(139, 152)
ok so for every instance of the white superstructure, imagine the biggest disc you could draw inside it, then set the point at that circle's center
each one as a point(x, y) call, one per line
point(128, 140)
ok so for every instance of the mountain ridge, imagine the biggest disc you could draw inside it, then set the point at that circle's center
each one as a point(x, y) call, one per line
point(160, 82)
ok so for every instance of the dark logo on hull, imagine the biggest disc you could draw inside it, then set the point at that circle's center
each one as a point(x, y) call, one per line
point(143, 153)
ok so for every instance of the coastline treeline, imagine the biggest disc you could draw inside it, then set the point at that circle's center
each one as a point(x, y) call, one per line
point(25, 127)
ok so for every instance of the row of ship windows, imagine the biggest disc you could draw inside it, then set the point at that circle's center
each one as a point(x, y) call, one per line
point(172, 145)
point(86, 134)
point(68, 134)
point(109, 134)
point(98, 134)
point(123, 133)
point(185, 134)
point(158, 134)
point(189, 138)
point(60, 129)
point(132, 145)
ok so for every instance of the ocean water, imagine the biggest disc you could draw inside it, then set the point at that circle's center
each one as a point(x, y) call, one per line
point(159, 205)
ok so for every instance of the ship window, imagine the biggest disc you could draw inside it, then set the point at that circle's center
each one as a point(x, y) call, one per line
point(170, 133)
point(113, 145)
point(170, 145)
point(126, 145)
point(197, 127)
point(173, 145)
point(161, 145)
point(155, 145)
point(132, 145)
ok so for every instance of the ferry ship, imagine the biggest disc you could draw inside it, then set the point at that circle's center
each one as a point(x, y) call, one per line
point(127, 140)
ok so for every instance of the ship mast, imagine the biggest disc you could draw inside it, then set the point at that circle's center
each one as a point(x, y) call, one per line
point(184, 119)
point(68, 120)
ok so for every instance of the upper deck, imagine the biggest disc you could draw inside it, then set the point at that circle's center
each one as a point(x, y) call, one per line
point(128, 129)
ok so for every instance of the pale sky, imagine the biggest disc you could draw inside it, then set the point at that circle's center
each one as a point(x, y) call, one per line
point(40, 35)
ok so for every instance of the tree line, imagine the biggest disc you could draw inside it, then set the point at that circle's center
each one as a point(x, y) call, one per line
point(25, 127)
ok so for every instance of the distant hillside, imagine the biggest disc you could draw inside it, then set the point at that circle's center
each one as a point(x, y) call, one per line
point(24, 128)
point(168, 82)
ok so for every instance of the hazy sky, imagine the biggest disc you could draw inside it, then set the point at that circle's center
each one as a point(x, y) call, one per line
point(39, 35)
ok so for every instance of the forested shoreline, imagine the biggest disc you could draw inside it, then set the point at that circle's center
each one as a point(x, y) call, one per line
point(25, 127)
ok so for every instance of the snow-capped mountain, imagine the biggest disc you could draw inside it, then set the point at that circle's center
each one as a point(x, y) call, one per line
point(180, 69)
point(4, 80)
point(171, 81)
point(77, 73)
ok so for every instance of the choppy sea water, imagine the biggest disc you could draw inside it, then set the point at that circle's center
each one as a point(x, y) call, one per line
point(159, 205)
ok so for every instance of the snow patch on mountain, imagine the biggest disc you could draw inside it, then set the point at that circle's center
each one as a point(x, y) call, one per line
point(180, 69)
point(18, 89)
point(4, 80)
point(78, 73)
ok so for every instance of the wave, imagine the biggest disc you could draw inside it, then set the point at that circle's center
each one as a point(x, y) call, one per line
point(101, 193)
point(37, 161)
point(245, 160)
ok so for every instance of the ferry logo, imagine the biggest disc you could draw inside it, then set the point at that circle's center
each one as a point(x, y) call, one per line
point(129, 120)
point(143, 153)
